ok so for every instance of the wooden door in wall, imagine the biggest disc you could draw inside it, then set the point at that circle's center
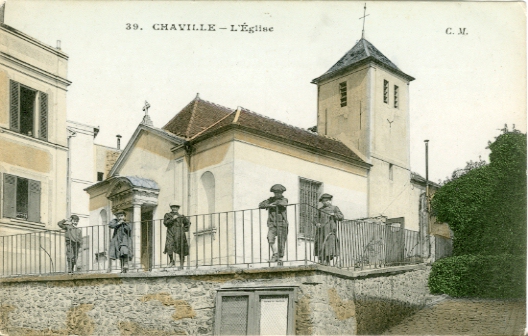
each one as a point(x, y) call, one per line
point(147, 249)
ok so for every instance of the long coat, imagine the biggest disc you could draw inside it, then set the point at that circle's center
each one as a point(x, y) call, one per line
point(121, 242)
point(326, 241)
point(176, 241)
point(277, 211)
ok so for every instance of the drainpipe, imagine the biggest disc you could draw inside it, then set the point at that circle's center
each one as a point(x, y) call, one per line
point(71, 134)
point(188, 150)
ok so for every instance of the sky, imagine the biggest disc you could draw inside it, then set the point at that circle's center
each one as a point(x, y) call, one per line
point(467, 87)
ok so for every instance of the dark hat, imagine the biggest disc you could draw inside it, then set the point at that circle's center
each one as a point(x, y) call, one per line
point(119, 212)
point(278, 188)
point(325, 196)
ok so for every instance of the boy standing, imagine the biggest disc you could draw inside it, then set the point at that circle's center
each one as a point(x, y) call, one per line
point(277, 221)
point(73, 238)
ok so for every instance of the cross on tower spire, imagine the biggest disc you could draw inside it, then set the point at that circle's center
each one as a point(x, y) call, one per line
point(364, 17)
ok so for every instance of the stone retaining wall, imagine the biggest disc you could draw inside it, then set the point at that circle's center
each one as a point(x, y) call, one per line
point(328, 302)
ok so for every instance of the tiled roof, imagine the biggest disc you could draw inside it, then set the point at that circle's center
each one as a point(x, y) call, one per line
point(221, 118)
point(195, 117)
point(362, 51)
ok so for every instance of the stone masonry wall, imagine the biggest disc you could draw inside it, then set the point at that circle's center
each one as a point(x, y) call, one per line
point(183, 303)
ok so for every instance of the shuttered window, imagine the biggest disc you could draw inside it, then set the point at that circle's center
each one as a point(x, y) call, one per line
point(21, 198)
point(14, 122)
point(255, 312)
point(26, 107)
point(43, 120)
point(309, 198)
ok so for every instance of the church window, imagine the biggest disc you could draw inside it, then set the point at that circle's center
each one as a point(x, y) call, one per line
point(27, 109)
point(386, 91)
point(100, 176)
point(309, 196)
point(343, 92)
point(396, 98)
point(21, 198)
point(250, 311)
point(391, 169)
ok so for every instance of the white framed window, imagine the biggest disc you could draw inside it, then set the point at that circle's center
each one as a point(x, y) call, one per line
point(385, 91)
point(343, 93)
point(21, 198)
point(258, 311)
point(28, 110)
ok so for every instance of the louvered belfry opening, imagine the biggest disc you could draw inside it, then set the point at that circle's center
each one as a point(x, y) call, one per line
point(309, 196)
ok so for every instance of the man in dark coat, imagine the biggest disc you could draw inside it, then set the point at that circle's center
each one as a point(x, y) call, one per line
point(326, 245)
point(121, 242)
point(176, 242)
point(277, 221)
point(73, 238)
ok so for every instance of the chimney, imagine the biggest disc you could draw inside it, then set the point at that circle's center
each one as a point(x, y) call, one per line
point(59, 44)
point(118, 141)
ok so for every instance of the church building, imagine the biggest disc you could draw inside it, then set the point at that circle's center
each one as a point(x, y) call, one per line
point(212, 159)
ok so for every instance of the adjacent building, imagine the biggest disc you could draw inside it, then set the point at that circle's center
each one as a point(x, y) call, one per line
point(33, 135)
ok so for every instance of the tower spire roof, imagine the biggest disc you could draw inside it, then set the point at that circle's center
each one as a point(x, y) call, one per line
point(361, 53)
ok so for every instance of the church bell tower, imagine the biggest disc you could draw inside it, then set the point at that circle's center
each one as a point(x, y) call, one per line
point(363, 101)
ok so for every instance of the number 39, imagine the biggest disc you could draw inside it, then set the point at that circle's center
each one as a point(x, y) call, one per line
point(134, 26)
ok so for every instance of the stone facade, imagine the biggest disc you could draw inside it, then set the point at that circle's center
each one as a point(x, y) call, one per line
point(328, 302)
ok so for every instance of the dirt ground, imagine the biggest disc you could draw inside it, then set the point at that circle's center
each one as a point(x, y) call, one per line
point(466, 317)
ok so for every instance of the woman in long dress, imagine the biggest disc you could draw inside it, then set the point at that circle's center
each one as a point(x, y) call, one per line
point(326, 245)
point(121, 242)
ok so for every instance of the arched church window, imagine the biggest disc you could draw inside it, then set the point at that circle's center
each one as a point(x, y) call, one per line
point(208, 192)
point(103, 218)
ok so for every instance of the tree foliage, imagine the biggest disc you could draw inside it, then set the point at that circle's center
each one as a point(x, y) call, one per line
point(485, 205)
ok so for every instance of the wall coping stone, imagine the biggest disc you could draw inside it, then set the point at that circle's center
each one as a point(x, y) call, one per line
point(378, 272)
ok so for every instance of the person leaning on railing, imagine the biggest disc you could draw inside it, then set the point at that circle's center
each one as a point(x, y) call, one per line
point(326, 245)
point(73, 239)
point(277, 221)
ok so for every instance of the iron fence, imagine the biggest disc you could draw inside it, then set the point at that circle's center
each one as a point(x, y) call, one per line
point(224, 239)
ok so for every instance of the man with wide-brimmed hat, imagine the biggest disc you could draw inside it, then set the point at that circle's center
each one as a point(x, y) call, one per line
point(121, 242)
point(277, 221)
point(73, 240)
point(326, 245)
point(176, 242)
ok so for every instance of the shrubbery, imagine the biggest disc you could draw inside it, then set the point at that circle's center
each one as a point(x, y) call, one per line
point(485, 206)
point(484, 276)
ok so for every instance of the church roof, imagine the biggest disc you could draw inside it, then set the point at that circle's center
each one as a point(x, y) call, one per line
point(209, 118)
point(195, 117)
point(361, 53)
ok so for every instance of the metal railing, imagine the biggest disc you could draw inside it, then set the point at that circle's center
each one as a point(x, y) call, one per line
point(224, 239)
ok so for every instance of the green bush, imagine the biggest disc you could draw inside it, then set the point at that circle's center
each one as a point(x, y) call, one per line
point(486, 205)
point(483, 276)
